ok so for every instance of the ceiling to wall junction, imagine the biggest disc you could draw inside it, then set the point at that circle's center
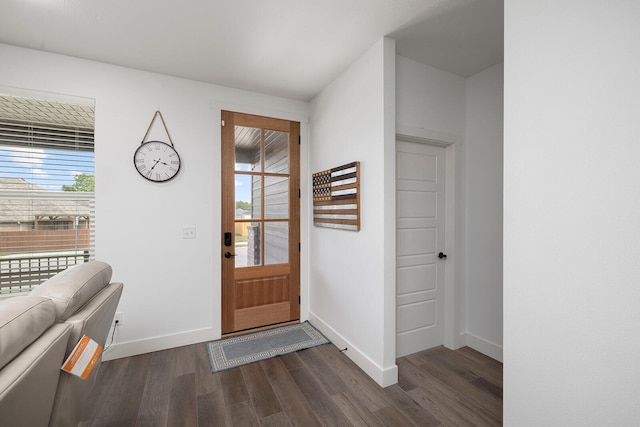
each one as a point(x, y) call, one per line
point(290, 48)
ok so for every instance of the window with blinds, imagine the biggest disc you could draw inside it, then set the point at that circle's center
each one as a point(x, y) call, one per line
point(46, 189)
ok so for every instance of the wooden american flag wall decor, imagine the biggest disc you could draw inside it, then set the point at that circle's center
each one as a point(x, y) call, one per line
point(336, 197)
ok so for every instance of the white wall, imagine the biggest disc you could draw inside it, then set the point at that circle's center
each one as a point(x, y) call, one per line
point(352, 278)
point(571, 213)
point(172, 286)
point(430, 103)
point(483, 211)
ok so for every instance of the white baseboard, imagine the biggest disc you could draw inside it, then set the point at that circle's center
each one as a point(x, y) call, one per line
point(384, 377)
point(148, 345)
point(485, 347)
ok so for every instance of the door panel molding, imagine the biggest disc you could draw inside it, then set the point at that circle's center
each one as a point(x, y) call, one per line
point(453, 292)
point(420, 236)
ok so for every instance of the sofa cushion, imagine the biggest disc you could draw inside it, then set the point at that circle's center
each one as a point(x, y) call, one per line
point(22, 320)
point(72, 288)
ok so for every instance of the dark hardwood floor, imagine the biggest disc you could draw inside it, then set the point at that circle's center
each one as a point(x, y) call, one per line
point(315, 387)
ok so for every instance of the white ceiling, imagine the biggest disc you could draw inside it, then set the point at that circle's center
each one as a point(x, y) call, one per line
point(290, 48)
point(464, 39)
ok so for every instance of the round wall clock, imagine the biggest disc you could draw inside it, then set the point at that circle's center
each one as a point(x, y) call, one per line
point(157, 161)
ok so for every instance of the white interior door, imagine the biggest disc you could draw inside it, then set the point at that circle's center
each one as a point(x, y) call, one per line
point(420, 239)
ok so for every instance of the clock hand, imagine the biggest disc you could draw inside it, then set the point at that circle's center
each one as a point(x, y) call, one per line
point(154, 165)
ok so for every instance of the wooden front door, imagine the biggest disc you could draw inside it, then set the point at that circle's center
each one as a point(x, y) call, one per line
point(260, 221)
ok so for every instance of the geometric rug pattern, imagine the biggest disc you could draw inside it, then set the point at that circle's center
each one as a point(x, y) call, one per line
point(236, 351)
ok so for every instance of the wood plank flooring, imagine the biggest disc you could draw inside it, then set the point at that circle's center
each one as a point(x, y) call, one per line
point(315, 387)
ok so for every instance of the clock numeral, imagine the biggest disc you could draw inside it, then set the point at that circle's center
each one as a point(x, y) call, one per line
point(148, 174)
point(157, 176)
point(139, 160)
point(172, 169)
point(143, 167)
point(174, 162)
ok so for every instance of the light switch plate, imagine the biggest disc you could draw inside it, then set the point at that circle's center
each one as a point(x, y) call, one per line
point(189, 233)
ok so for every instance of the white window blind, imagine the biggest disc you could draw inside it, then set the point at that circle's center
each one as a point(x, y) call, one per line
point(46, 189)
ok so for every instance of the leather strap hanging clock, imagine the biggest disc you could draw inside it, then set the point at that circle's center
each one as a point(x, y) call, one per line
point(157, 161)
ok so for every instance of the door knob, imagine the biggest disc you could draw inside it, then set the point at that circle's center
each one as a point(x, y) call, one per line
point(229, 255)
point(442, 256)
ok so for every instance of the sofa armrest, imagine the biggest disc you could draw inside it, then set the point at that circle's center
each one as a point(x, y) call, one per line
point(28, 383)
point(94, 320)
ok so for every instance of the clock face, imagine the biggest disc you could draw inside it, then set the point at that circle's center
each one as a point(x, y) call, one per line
point(156, 161)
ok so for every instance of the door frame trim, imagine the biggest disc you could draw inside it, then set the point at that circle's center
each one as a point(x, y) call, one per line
point(229, 119)
point(453, 246)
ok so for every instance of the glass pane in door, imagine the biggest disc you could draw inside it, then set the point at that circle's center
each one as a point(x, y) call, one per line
point(248, 157)
point(276, 151)
point(276, 242)
point(276, 197)
point(248, 196)
point(248, 248)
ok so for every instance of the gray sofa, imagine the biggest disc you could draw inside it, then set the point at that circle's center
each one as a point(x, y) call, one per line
point(38, 332)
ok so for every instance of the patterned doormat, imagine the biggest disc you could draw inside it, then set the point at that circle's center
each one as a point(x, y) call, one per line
point(231, 352)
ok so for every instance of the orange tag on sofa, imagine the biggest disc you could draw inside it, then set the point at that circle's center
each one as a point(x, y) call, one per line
point(83, 358)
